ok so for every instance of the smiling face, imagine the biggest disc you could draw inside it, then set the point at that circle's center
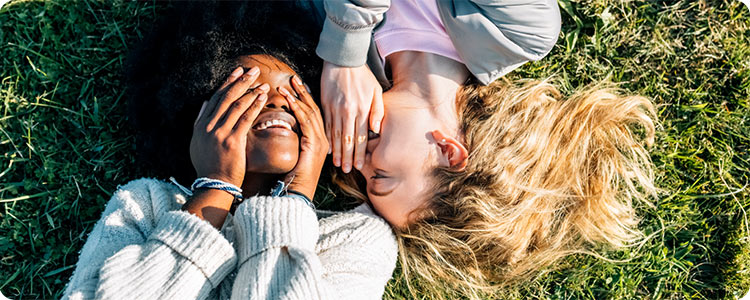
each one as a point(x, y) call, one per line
point(399, 163)
point(272, 143)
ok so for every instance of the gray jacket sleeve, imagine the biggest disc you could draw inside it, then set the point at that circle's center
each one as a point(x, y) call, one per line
point(347, 30)
point(494, 37)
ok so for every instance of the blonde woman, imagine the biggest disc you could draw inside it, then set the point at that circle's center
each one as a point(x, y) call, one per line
point(543, 176)
point(484, 180)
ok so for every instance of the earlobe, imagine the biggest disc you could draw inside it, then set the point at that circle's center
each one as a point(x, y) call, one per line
point(452, 151)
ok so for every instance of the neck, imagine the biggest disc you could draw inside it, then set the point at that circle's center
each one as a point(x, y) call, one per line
point(427, 74)
point(432, 80)
point(259, 183)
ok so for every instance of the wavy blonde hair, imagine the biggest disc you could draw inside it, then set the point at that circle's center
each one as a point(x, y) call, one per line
point(545, 178)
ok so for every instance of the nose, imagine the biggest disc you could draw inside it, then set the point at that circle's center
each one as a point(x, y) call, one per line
point(276, 100)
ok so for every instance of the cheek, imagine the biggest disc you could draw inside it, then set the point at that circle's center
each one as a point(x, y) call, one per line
point(390, 209)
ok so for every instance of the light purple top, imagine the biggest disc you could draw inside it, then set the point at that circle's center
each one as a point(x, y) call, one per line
point(414, 25)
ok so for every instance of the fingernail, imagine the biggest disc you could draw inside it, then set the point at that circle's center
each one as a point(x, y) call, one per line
point(254, 71)
point(359, 165)
point(329, 150)
point(264, 87)
point(286, 94)
point(376, 126)
point(347, 167)
point(297, 80)
point(237, 72)
point(263, 97)
point(336, 162)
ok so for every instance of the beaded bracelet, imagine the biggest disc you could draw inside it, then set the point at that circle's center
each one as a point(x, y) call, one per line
point(215, 184)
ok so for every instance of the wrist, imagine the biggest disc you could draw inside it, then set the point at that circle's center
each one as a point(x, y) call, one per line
point(216, 184)
point(221, 177)
point(302, 189)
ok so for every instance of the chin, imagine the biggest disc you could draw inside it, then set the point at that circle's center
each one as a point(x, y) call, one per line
point(278, 163)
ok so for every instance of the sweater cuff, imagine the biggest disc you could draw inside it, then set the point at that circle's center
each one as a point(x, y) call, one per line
point(271, 222)
point(198, 242)
point(344, 47)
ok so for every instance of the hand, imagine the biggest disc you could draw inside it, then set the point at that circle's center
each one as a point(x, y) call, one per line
point(313, 142)
point(350, 97)
point(217, 148)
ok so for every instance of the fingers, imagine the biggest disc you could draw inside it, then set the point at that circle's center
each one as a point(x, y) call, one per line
point(301, 111)
point(336, 143)
point(376, 112)
point(234, 91)
point(347, 141)
point(301, 90)
point(360, 142)
point(217, 96)
point(238, 108)
point(247, 118)
point(328, 128)
point(203, 107)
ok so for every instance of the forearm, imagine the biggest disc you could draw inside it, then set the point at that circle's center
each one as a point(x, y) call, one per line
point(210, 205)
point(142, 236)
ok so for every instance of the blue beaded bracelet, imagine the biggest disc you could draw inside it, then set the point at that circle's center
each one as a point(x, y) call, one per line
point(208, 183)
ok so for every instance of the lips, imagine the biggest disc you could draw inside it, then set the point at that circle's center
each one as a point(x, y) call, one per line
point(275, 119)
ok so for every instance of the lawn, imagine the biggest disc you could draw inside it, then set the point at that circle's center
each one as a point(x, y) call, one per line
point(65, 142)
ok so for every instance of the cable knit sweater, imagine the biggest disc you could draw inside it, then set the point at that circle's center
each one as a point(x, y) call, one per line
point(145, 247)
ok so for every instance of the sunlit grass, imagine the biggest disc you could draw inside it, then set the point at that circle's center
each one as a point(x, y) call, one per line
point(65, 144)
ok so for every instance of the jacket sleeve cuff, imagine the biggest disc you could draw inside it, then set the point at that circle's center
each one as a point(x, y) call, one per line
point(344, 47)
point(198, 242)
point(271, 222)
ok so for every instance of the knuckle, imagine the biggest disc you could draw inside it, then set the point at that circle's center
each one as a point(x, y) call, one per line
point(229, 143)
point(348, 107)
point(245, 117)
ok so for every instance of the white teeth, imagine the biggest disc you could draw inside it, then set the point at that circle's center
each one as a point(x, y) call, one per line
point(270, 123)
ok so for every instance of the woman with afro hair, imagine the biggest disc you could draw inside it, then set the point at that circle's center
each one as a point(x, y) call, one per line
point(217, 90)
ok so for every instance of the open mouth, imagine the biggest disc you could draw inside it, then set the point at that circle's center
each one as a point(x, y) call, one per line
point(275, 123)
point(275, 119)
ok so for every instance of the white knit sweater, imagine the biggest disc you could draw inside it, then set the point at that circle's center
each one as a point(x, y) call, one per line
point(144, 247)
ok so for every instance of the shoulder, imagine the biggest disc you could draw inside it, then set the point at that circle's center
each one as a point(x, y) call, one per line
point(146, 198)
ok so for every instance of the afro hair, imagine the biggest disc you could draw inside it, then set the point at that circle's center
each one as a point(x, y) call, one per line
point(186, 57)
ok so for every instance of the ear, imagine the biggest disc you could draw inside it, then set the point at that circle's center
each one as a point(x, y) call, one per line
point(453, 154)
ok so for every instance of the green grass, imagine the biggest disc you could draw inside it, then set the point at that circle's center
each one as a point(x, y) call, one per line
point(65, 144)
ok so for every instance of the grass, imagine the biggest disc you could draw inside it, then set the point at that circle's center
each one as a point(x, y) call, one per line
point(65, 144)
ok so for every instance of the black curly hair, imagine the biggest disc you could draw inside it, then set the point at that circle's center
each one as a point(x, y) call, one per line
point(190, 53)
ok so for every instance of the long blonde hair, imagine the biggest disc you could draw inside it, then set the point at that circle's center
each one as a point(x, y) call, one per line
point(545, 178)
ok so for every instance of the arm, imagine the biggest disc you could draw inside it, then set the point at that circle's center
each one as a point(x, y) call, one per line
point(351, 96)
point(277, 236)
point(143, 247)
point(278, 257)
point(496, 36)
point(347, 30)
point(217, 148)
